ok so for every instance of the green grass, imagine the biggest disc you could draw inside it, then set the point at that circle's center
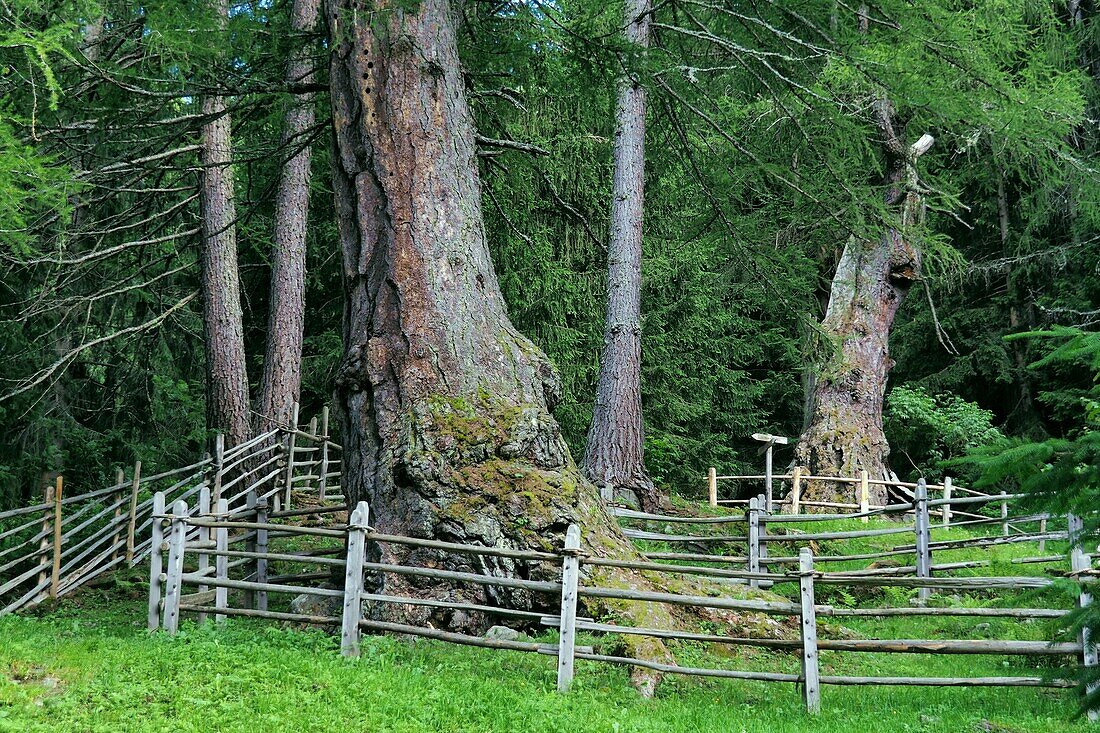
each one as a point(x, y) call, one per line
point(89, 665)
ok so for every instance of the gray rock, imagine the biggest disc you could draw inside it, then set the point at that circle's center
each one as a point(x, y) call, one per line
point(502, 633)
point(312, 604)
point(981, 627)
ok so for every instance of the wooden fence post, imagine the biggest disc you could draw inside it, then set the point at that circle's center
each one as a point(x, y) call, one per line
point(120, 497)
point(313, 458)
point(567, 627)
point(754, 539)
point(712, 486)
point(46, 541)
point(353, 581)
point(131, 528)
point(156, 547)
point(864, 495)
point(291, 441)
point(923, 531)
point(811, 680)
point(219, 466)
point(221, 560)
point(322, 485)
point(1042, 531)
point(261, 549)
point(1004, 514)
point(202, 539)
point(796, 489)
point(1079, 561)
point(947, 501)
point(55, 571)
point(173, 584)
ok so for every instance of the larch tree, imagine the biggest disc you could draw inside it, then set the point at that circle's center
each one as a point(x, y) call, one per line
point(223, 319)
point(446, 407)
point(872, 278)
point(614, 451)
point(282, 375)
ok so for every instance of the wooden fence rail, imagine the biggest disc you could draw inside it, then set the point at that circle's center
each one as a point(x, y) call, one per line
point(70, 538)
point(565, 595)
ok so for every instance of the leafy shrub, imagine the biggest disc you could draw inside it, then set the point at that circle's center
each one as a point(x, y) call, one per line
point(925, 430)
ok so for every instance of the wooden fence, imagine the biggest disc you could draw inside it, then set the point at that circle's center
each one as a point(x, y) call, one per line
point(51, 548)
point(215, 533)
point(950, 494)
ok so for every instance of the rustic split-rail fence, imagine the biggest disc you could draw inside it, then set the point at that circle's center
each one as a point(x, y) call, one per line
point(266, 520)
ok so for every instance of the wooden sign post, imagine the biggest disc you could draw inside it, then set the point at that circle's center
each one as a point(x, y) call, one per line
point(770, 441)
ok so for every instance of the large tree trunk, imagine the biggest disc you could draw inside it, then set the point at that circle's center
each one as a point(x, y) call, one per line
point(872, 279)
point(223, 327)
point(445, 406)
point(282, 377)
point(613, 455)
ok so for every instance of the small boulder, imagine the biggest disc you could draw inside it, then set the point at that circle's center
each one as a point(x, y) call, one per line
point(502, 633)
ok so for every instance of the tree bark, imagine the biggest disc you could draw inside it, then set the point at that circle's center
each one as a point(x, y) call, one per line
point(446, 408)
point(845, 433)
point(614, 451)
point(282, 376)
point(223, 326)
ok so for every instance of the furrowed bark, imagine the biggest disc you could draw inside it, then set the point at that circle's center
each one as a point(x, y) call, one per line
point(282, 376)
point(446, 408)
point(223, 327)
point(613, 456)
point(845, 433)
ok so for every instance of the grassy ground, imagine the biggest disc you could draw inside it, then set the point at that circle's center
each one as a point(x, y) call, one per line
point(88, 665)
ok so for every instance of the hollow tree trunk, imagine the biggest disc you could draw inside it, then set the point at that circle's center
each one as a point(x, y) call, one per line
point(282, 377)
point(613, 455)
point(446, 408)
point(223, 326)
point(845, 433)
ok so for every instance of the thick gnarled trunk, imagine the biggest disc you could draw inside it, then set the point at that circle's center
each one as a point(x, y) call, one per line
point(282, 377)
point(613, 456)
point(844, 435)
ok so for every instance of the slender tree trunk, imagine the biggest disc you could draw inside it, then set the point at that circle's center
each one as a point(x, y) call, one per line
point(282, 377)
point(1023, 412)
point(223, 327)
point(446, 408)
point(613, 456)
point(872, 279)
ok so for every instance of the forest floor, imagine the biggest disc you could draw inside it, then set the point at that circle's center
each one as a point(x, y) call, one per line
point(89, 665)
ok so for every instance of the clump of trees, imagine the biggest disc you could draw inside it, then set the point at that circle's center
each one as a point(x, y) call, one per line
point(634, 233)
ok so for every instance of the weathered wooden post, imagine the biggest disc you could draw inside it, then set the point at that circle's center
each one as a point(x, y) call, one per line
point(1004, 514)
point(770, 441)
point(156, 547)
point(219, 466)
point(1042, 531)
point(947, 488)
point(796, 489)
point(221, 560)
point(1079, 560)
point(864, 495)
point(55, 571)
point(353, 581)
point(567, 626)
point(46, 541)
point(311, 462)
point(322, 484)
point(173, 583)
point(131, 528)
point(291, 442)
point(811, 678)
point(753, 516)
point(203, 539)
point(261, 549)
point(117, 541)
point(712, 486)
point(923, 531)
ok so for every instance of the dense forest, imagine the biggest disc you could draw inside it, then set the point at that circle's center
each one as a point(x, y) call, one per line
point(213, 210)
